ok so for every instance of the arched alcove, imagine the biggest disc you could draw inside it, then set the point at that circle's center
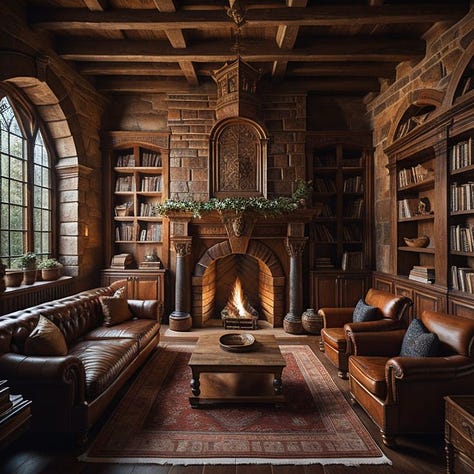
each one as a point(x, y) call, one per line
point(238, 162)
point(462, 78)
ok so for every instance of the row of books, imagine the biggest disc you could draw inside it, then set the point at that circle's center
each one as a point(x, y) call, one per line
point(126, 160)
point(422, 274)
point(323, 262)
point(326, 210)
point(124, 209)
point(152, 232)
point(151, 183)
point(324, 185)
point(147, 209)
point(352, 234)
point(408, 208)
point(461, 197)
point(322, 233)
point(461, 238)
point(148, 159)
point(462, 278)
point(460, 155)
point(352, 261)
point(151, 159)
point(415, 174)
point(125, 231)
point(354, 184)
point(125, 184)
point(354, 209)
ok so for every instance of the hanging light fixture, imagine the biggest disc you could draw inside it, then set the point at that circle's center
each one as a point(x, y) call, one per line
point(236, 81)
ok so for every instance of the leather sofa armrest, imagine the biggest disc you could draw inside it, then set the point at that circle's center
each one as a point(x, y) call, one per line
point(429, 368)
point(376, 343)
point(37, 372)
point(335, 317)
point(145, 309)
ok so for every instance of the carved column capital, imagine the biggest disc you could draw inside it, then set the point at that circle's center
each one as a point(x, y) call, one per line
point(295, 246)
point(182, 247)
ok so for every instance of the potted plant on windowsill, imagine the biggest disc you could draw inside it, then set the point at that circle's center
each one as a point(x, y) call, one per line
point(27, 262)
point(50, 269)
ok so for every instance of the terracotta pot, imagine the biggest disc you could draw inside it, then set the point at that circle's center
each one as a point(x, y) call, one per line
point(49, 274)
point(13, 278)
point(29, 277)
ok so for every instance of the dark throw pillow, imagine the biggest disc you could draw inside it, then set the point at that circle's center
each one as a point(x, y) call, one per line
point(46, 339)
point(364, 312)
point(115, 310)
point(418, 341)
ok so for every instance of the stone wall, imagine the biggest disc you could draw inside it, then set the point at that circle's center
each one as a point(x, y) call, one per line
point(446, 45)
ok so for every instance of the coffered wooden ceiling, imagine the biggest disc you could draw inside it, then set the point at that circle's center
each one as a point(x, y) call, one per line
point(326, 46)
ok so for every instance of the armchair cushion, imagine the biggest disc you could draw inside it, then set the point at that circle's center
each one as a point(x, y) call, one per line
point(418, 341)
point(364, 312)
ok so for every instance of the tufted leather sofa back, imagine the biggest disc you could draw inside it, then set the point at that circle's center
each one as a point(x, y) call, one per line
point(455, 333)
point(74, 315)
point(390, 305)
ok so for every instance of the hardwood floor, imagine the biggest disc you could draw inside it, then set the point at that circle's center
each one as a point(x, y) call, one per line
point(29, 455)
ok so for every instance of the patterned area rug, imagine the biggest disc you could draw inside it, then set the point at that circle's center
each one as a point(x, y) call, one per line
point(154, 423)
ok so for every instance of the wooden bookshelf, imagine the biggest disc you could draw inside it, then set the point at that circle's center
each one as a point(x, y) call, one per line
point(340, 166)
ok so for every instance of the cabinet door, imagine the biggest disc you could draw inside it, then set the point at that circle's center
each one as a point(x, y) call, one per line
point(352, 289)
point(324, 292)
point(461, 307)
point(429, 301)
point(148, 288)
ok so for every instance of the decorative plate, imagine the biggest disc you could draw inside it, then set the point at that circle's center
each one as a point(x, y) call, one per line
point(237, 342)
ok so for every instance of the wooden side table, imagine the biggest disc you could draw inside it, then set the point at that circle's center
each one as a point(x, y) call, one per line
point(459, 433)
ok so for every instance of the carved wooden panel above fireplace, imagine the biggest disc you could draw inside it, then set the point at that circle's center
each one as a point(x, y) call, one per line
point(239, 159)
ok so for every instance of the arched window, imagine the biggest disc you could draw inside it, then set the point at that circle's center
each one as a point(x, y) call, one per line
point(26, 184)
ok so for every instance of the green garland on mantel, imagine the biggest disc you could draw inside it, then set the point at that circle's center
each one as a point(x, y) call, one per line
point(259, 205)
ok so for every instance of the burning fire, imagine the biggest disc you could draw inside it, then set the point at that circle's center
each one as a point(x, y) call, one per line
point(237, 306)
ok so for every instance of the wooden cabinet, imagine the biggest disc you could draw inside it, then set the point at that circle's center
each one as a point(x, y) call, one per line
point(459, 434)
point(141, 284)
point(338, 289)
point(340, 246)
point(137, 180)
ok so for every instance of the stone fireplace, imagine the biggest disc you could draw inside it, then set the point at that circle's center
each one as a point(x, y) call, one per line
point(265, 253)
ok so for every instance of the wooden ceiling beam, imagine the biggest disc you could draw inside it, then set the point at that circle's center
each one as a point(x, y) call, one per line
point(286, 39)
point(96, 5)
point(152, 85)
point(323, 15)
point(177, 40)
point(129, 68)
point(337, 49)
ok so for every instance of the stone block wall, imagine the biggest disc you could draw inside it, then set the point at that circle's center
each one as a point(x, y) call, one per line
point(446, 45)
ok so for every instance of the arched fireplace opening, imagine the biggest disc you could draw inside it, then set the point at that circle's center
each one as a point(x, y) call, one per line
point(261, 276)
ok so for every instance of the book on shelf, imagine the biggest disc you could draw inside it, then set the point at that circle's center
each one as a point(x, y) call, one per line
point(354, 208)
point(124, 209)
point(151, 159)
point(423, 274)
point(126, 160)
point(125, 184)
point(415, 174)
point(124, 231)
point(147, 265)
point(352, 261)
point(151, 183)
point(122, 261)
point(323, 262)
point(460, 155)
point(354, 184)
point(324, 161)
point(461, 196)
point(462, 278)
point(461, 238)
point(324, 185)
point(152, 232)
point(412, 207)
point(322, 233)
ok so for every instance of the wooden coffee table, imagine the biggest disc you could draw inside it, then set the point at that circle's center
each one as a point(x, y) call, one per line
point(219, 376)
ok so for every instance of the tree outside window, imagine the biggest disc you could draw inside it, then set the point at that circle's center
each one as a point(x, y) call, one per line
point(25, 186)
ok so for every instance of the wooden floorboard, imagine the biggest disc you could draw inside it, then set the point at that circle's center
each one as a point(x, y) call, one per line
point(30, 455)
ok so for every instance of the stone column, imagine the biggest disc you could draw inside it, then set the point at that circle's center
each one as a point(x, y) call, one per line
point(292, 322)
point(180, 319)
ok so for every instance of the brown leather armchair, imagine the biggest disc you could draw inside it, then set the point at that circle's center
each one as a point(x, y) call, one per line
point(337, 321)
point(404, 395)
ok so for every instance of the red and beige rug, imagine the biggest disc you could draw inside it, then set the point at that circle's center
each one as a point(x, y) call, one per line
point(154, 423)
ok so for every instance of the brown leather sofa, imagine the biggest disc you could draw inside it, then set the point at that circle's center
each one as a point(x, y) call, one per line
point(404, 395)
point(71, 391)
point(338, 321)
